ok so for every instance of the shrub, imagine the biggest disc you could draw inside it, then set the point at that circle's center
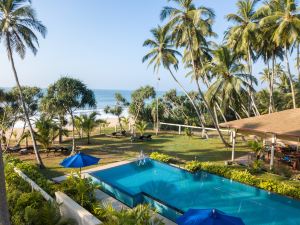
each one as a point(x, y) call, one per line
point(160, 157)
point(193, 166)
point(81, 190)
point(32, 172)
point(28, 207)
point(140, 215)
point(245, 176)
point(257, 166)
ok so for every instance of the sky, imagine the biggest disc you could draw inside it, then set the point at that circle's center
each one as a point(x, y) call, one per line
point(100, 43)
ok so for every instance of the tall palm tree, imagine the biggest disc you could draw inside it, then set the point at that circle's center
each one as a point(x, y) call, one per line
point(284, 16)
point(162, 54)
point(18, 25)
point(190, 26)
point(242, 35)
point(230, 80)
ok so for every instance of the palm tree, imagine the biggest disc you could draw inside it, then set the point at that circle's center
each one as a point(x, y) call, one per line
point(47, 131)
point(141, 126)
point(18, 26)
point(163, 54)
point(230, 80)
point(284, 16)
point(241, 37)
point(87, 123)
point(190, 27)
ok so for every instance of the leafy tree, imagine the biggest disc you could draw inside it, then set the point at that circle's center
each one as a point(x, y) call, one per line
point(32, 96)
point(118, 108)
point(87, 123)
point(19, 24)
point(70, 95)
point(138, 98)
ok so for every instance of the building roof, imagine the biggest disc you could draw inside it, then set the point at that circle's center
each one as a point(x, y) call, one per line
point(284, 124)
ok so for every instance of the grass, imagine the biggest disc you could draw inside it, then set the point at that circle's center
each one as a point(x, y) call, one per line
point(118, 149)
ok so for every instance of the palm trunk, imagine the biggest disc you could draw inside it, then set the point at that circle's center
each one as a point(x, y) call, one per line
point(272, 105)
point(298, 60)
point(10, 135)
point(73, 133)
point(4, 213)
point(191, 100)
point(252, 102)
point(290, 76)
point(22, 133)
point(60, 132)
point(201, 93)
point(211, 114)
point(36, 151)
point(221, 112)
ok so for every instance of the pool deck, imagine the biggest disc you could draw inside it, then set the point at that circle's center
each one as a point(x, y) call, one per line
point(107, 199)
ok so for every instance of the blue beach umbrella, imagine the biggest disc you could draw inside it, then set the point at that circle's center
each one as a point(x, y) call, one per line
point(79, 160)
point(208, 217)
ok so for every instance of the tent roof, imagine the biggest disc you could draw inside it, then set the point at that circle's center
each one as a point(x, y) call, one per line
point(285, 124)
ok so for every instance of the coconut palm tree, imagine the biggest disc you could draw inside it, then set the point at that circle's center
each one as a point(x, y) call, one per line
point(163, 54)
point(190, 26)
point(19, 26)
point(284, 16)
point(230, 80)
point(241, 37)
point(87, 123)
point(47, 130)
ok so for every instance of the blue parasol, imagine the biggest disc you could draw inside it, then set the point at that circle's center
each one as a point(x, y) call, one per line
point(208, 217)
point(79, 160)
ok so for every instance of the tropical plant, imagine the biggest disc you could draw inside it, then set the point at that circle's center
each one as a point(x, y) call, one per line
point(284, 16)
point(231, 80)
point(118, 108)
point(69, 95)
point(47, 131)
point(141, 126)
point(87, 123)
point(140, 215)
point(163, 54)
point(18, 30)
point(241, 38)
point(190, 27)
point(82, 190)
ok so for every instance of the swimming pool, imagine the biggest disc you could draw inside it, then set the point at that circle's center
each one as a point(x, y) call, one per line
point(173, 191)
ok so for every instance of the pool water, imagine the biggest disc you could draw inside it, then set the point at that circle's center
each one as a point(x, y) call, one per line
point(172, 189)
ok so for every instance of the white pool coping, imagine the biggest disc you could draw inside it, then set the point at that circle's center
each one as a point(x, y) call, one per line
point(105, 198)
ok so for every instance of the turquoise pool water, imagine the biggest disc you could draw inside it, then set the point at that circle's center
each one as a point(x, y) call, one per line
point(174, 191)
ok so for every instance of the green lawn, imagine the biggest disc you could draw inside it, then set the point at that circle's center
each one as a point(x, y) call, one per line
point(110, 150)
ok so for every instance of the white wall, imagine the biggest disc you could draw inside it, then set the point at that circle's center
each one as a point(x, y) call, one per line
point(70, 209)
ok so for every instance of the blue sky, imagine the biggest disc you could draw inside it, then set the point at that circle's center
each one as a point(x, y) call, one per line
point(99, 42)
